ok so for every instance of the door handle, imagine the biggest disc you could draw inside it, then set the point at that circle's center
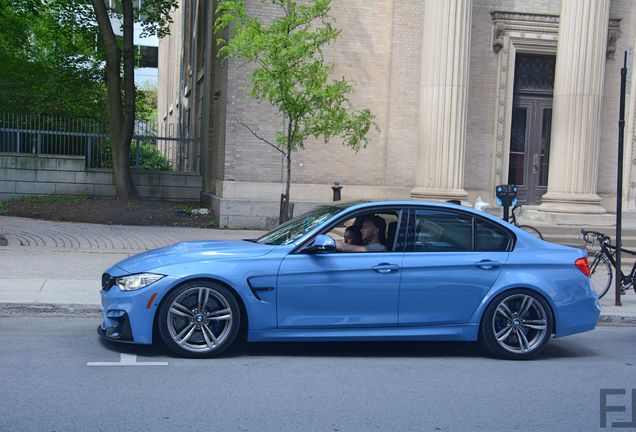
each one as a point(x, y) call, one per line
point(488, 264)
point(385, 268)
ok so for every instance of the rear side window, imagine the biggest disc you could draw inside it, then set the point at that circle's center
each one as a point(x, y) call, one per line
point(436, 230)
point(490, 238)
point(440, 231)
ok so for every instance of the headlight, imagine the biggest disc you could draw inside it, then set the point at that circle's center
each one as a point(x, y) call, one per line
point(137, 281)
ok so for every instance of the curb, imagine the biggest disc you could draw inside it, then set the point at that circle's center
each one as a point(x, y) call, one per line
point(48, 310)
point(617, 320)
point(51, 310)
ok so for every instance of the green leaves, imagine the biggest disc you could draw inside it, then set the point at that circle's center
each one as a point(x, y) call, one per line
point(290, 70)
point(155, 16)
point(48, 65)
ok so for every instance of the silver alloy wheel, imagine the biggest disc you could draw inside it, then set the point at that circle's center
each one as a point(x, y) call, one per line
point(520, 323)
point(199, 319)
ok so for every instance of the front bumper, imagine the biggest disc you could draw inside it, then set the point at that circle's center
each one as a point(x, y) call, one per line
point(116, 328)
point(128, 316)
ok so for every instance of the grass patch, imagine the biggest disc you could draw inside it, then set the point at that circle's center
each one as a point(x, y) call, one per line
point(212, 224)
point(182, 209)
point(3, 208)
point(109, 211)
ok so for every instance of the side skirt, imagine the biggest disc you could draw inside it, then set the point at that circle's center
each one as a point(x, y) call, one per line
point(438, 333)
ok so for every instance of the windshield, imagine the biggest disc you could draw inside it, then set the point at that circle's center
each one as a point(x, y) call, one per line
point(297, 227)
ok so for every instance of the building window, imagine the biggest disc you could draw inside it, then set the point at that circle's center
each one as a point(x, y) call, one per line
point(148, 56)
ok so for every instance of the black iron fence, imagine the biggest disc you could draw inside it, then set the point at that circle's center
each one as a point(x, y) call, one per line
point(150, 149)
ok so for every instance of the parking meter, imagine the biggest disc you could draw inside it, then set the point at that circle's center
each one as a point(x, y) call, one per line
point(506, 197)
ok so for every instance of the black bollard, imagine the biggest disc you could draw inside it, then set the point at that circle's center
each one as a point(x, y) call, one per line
point(336, 191)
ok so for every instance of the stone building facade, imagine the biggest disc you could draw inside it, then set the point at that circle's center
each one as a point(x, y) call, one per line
point(467, 94)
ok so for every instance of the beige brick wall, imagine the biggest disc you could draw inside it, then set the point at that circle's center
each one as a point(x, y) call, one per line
point(611, 100)
point(362, 55)
point(380, 51)
point(169, 72)
point(482, 91)
point(403, 93)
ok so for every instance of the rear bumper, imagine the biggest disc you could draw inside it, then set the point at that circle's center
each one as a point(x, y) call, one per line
point(579, 317)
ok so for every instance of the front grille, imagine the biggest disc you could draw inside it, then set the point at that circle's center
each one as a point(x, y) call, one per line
point(107, 281)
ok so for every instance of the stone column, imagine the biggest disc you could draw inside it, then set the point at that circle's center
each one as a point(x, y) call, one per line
point(576, 115)
point(443, 100)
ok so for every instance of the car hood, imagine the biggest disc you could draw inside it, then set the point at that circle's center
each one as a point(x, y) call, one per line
point(194, 251)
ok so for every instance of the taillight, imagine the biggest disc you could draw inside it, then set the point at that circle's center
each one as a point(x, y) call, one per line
point(581, 264)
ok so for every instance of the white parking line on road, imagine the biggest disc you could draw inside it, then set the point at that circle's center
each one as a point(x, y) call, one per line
point(127, 360)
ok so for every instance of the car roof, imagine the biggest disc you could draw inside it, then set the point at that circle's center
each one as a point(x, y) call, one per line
point(360, 205)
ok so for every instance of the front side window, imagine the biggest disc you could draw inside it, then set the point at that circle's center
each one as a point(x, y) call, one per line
point(372, 231)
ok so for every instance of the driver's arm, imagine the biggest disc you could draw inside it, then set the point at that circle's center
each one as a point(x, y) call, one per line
point(345, 247)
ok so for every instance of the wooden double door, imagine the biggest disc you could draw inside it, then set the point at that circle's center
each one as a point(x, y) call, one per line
point(530, 146)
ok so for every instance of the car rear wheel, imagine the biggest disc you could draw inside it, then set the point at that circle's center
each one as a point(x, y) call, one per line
point(199, 319)
point(517, 325)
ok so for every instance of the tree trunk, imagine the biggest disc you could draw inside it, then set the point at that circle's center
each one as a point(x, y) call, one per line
point(121, 118)
point(285, 213)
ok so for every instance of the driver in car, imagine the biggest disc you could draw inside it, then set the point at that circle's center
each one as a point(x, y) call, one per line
point(373, 232)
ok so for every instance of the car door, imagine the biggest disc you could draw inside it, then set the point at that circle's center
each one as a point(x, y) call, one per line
point(452, 260)
point(339, 289)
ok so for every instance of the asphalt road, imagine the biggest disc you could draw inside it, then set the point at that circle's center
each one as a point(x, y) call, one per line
point(56, 375)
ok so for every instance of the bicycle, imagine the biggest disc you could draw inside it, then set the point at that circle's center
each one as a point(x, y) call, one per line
point(527, 228)
point(604, 262)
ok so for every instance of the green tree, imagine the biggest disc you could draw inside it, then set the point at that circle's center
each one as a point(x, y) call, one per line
point(53, 55)
point(291, 74)
point(146, 103)
point(154, 15)
point(48, 66)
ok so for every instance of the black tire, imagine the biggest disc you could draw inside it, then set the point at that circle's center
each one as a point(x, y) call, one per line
point(517, 325)
point(199, 319)
point(601, 274)
point(532, 230)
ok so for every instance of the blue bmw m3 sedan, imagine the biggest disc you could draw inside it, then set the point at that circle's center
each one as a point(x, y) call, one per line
point(408, 271)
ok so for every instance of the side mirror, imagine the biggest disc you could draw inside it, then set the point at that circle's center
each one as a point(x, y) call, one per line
point(322, 243)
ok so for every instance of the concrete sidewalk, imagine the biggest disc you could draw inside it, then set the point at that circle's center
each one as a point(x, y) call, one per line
point(57, 266)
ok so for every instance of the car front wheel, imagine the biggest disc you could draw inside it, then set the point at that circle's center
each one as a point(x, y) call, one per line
point(199, 319)
point(517, 325)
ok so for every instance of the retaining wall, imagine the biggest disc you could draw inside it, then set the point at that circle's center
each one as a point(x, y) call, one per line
point(24, 174)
